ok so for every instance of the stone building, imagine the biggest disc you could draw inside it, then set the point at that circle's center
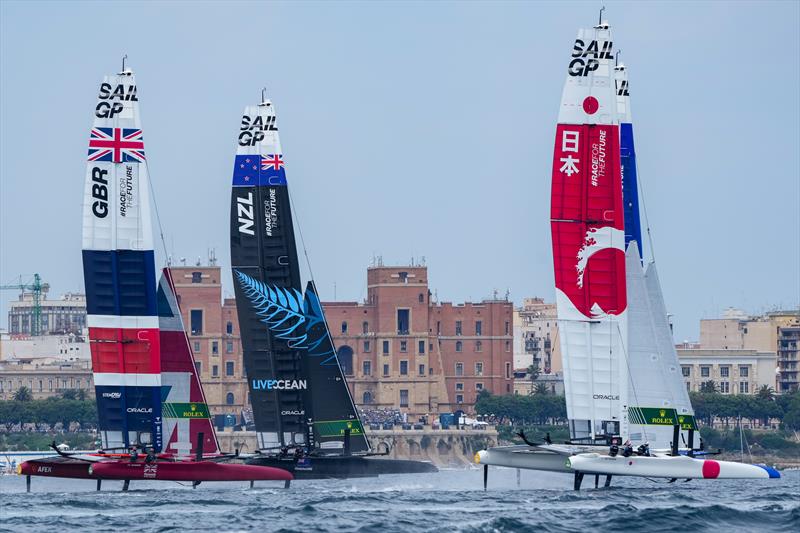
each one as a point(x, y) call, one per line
point(46, 380)
point(400, 349)
point(213, 331)
point(536, 336)
point(62, 316)
point(733, 371)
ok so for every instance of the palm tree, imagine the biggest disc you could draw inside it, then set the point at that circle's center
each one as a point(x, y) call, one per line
point(23, 394)
point(541, 388)
point(766, 393)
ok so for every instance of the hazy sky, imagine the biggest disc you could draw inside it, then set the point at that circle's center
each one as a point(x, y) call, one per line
point(416, 129)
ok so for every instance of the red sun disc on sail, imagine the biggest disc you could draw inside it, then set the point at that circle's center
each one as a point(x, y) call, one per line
point(591, 105)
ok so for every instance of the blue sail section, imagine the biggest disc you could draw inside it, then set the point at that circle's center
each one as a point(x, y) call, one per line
point(630, 191)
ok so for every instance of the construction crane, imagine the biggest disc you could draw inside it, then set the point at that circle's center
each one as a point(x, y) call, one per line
point(36, 291)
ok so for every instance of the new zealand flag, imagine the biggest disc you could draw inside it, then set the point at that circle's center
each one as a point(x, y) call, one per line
point(245, 170)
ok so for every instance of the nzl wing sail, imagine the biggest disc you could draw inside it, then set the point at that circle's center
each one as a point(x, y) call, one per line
point(334, 414)
point(657, 395)
point(587, 224)
point(184, 407)
point(119, 271)
point(266, 277)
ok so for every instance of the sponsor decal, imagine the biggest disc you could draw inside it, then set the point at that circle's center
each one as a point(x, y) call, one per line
point(146, 410)
point(111, 99)
point(252, 129)
point(336, 428)
point(244, 212)
point(271, 212)
point(687, 422)
point(44, 469)
point(185, 410)
point(295, 413)
point(659, 416)
point(610, 397)
point(99, 192)
point(279, 384)
point(126, 190)
point(599, 158)
point(586, 57)
point(150, 470)
point(116, 145)
point(112, 395)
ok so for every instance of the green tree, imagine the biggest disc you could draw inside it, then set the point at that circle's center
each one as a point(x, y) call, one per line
point(709, 386)
point(541, 388)
point(766, 393)
point(23, 394)
point(70, 394)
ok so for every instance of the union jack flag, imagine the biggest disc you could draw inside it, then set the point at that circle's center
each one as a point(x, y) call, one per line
point(118, 145)
point(272, 160)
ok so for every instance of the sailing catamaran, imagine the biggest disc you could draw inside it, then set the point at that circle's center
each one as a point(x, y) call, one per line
point(146, 385)
point(621, 374)
point(305, 418)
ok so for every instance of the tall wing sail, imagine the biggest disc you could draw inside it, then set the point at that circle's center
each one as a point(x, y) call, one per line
point(331, 404)
point(119, 271)
point(630, 192)
point(587, 224)
point(266, 277)
point(184, 407)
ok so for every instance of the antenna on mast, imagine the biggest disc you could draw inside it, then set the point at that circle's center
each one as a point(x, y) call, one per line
point(264, 100)
point(616, 58)
point(600, 18)
point(125, 72)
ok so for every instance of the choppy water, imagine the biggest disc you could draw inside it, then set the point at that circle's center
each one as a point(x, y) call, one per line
point(446, 501)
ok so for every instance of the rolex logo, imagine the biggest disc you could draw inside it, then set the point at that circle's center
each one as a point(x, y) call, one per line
point(662, 413)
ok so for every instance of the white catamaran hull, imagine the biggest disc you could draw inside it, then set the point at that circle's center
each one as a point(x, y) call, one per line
point(523, 457)
point(680, 467)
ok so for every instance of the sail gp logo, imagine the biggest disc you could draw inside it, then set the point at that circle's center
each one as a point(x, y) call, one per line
point(587, 57)
point(279, 384)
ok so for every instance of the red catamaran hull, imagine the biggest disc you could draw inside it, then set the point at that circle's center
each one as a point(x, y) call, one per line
point(187, 471)
point(58, 467)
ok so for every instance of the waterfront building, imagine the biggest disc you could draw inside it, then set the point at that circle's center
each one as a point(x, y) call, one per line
point(400, 349)
point(45, 348)
point(733, 371)
point(554, 382)
point(536, 336)
point(213, 330)
point(62, 316)
point(45, 380)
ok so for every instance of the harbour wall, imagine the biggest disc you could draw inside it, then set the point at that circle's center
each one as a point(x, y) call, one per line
point(446, 448)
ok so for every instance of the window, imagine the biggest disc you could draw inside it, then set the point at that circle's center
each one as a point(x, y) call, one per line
point(478, 369)
point(229, 328)
point(196, 346)
point(403, 321)
point(724, 387)
point(198, 366)
point(459, 386)
point(345, 355)
point(366, 368)
point(459, 398)
point(478, 327)
point(507, 327)
point(421, 298)
point(459, 345)
point(385, 370)
point(403, 368)
point(49, 384)
point(228, 346)
point(214, 347)
point(508, 346)
point(459, 369)
point(367, 397)
point(744, 371)
point(365, 327)
point(508, 370)
point(705, 371)
point(197, 277)
point(438, 327)
point(479, 386)
point(686, 371)
point(478, 346)
point(744, 387)
point(403, 346)
point(229, 368)
point(421, 347)
point(366, 346)
point(421, 370)
point(724, 371)
point(458, 327)
point(214, 371)
point(403, 397)
point(41, 385)
point(229, 399)
point(385, 347)
point(344, 327)
point(196, 321)
point(688, 387)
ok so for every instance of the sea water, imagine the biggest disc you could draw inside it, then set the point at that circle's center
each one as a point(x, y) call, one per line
point(450, 500)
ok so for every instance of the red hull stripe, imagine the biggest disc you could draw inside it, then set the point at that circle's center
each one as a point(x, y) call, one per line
point(125, 351)
point(188, 471)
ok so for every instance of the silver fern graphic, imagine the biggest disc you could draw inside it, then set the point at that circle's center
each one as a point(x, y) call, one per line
point(280, 309)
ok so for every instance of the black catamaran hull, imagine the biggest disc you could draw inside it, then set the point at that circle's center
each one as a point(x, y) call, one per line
point(341, 467)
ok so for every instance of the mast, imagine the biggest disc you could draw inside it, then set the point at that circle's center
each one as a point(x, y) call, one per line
point(119, 271)
point(630, 192)
point(267, 281)
point(587, 224)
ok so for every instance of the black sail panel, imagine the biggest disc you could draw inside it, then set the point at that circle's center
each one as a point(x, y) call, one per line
point(334, 413)
point(266, 278)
